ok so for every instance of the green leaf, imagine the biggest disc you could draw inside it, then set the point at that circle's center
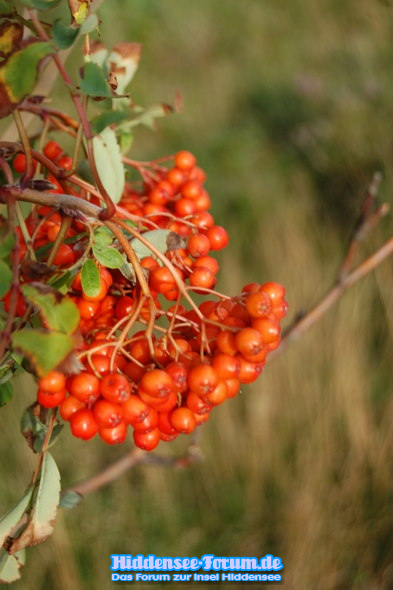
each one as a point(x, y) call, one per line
point(109, 164)
point(13, 516)
point(5, 278)
point(89, 25)
point(126, 138)
point(18, 74)
point(64, 280)
point(10, 566)
point(92, 81)
point(70, 500)
point(47, 501)
point(45, 4)
point(45, 351)
point(35, 431)
point(59, 313)
point(5, 8)
point(7, 240)
point(161, 239)
point(90, 278)
point(103, 236)
point(64, 35)
point(108, 256)
point(6, 392)
point(102, 121)
point(42, 518)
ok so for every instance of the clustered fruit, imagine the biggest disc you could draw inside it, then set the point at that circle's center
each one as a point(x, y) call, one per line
point(166, 382)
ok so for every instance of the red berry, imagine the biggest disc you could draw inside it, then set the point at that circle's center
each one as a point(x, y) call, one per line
point(202, 379)
point(114, 435)
point(185, 160)
point(183, 420)
point(198, 245)
point(218, 237)
point(83, 424)
point(50, 400)
point(69, 406)
point(19, 163)
point(53, 382)
point(107, 414)
point(52, 150)
point(135, 410)
point(147, 440)
point(157, 383)
point(85, 387)
point(115, 388)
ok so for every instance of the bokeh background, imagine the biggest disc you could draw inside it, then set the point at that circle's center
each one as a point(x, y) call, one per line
point(288, 108)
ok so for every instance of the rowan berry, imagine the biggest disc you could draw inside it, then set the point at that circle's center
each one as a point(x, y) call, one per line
point(147, 440)
point(198, 245)
point(218, 395)
point(19, 163)
point(182, 420)
point(275, 291)
point(164, 425)
point(249, 341)
point(269, 329)
point(83, 424)
point(218, 237)
point(258, 304)
point(115, 388)
point(148, 423)
point(197, 404)
point(53, 382)
point(202, 277)
point(65, 256)
point(226, 366)
point(52, 150)
point(50, 400)
point(85, 387)
point(185, 160)
point(69, 406)
point(191, 189)
point(135, 410)
point(107, 414)
point(157, 383)
point(114, 435)
point(202, 379)
point(178, 373)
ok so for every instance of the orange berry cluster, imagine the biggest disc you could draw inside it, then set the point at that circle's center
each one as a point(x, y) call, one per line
point(157, 367)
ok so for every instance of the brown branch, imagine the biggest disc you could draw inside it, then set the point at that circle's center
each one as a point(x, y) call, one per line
point(303, 324)
point(127, 462)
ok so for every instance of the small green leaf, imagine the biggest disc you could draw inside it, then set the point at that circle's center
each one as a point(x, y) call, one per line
point(45, 4)
point(64, 280)
point(5, 278)
point(42, 518)
point(92, 81)
point(59, 313)
point(160, 239)
point(64, 35)
point(13, 516)
point(102, 121)
point(45, 351)
point(6, 240)
point(6, 392)
point(103, 236)
point(35, 431)
point(108, 256)
point(90, 278)
point(10, 566)
point(5, 8)
point(70, 500)
point(126, 138)
point(109, 163)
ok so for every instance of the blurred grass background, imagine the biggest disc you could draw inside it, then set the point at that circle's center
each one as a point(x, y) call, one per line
point(288, 107)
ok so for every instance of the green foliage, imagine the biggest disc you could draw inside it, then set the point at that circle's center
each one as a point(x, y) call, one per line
point(18, 74)
point(59, 313)
point(13, 516)
point(161, 239)
point(44, 350)
point(92, 81)
point(35, 430)
point(90, 278)
point(10, 566)
point(109, 164)
point(6, 392)
point(108, 256)
point(5, 278)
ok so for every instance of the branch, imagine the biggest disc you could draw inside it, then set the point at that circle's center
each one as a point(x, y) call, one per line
point(130, 460)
